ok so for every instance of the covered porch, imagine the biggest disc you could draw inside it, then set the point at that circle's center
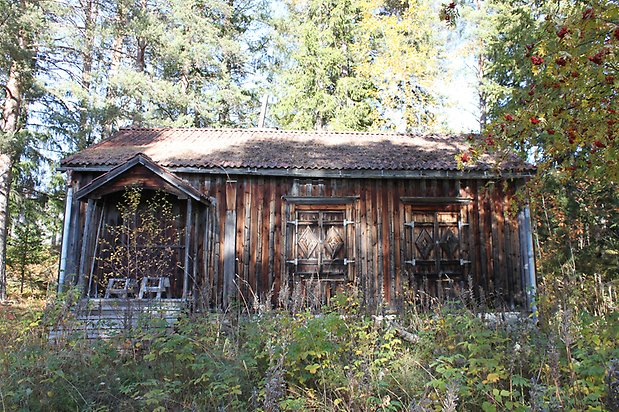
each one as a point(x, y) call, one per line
point(133, 235)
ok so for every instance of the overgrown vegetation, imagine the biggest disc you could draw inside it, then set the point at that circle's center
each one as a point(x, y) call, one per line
point(341, 359)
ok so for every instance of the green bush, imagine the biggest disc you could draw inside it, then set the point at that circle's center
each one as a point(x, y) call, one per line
point(340, 359)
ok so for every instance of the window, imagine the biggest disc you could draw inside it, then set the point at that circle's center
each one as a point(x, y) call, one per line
point(321, 242)
point(434, 239)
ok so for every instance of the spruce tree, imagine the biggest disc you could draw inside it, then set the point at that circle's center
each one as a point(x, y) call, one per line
point(358, 65)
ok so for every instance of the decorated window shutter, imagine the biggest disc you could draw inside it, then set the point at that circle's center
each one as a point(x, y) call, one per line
point(448, 245)
point(320, 243)
point(435, 243)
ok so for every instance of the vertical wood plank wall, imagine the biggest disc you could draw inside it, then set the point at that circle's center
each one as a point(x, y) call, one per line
point(381, 243)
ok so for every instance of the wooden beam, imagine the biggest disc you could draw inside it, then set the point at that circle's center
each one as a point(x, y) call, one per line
point(194, 252)
point(259, 205)
point(435, 200)
point(271, 239)
point(229, 242)
point(324, 173)
point(156, 170)
point(320, 200)
point(66, 230)
point(72, 263)
point(206, 249)
point(95, 249)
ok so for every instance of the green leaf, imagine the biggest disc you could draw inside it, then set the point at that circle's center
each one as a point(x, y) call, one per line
point(488, 407)
point(312, 368)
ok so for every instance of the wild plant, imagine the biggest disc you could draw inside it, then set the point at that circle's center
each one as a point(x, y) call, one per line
point(144, 242)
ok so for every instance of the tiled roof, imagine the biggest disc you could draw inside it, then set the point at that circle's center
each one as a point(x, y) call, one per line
point(284, 149)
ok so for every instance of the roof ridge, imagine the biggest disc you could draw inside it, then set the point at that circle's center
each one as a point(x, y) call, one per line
point(301, 132)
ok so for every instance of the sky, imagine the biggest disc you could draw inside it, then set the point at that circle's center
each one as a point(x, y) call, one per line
point(461, 109)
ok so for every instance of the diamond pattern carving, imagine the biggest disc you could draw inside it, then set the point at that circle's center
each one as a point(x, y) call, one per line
point(449, 243)
point(307, 242)
point(333, 243)
point(424, 243)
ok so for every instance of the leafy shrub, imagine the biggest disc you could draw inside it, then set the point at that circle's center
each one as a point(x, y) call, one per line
point(340, 359)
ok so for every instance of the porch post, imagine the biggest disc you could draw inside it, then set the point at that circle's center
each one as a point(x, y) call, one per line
point(527, 258)
point(229, 242)
point(85, 245)
point(188, 230)
point(206, 253)
point(532, 292)
point(65, 234)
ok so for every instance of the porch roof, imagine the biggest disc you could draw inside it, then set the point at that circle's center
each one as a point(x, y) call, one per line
point(170, 181)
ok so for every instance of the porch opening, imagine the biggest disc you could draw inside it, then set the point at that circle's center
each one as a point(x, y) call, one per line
point(140, 246)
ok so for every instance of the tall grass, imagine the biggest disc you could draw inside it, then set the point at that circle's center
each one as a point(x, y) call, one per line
point(447, 357)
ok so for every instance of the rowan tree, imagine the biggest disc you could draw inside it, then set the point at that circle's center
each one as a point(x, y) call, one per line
point(557, 64)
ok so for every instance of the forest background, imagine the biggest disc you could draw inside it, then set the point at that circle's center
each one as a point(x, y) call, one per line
point(544, 76)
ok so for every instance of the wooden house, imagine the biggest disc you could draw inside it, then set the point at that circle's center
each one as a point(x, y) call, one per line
point(263, 212)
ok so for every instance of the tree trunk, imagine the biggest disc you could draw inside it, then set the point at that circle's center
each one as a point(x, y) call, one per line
point(85, 137)
point(10, 126)
point(111, 111)
point(140, 63)
point(483, 98)
point(6, 164)
point(22, 262)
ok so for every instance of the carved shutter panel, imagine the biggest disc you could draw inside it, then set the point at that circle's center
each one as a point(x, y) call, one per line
point(423, 243)
point(436, 249)
point(448, 243)
point(320, 247)
point(307, 247)
point(333, 243)
point(436, 243)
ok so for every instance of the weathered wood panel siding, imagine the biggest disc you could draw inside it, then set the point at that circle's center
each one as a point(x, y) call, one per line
point(381, 244)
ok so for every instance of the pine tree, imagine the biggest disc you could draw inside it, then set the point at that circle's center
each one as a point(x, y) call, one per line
point(19, 31)
point(162, 63)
